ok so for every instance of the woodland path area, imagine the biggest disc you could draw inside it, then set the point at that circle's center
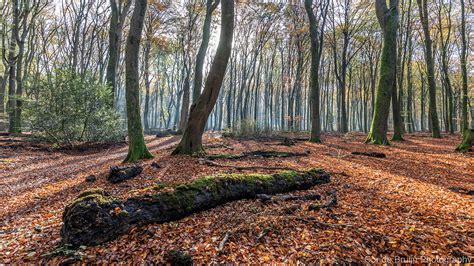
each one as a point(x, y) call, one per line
point(412, 203)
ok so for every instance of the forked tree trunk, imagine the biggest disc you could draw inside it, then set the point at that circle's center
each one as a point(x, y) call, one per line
point(388, 20)
point(136, 147)
point(191, 143)
point(201, 55)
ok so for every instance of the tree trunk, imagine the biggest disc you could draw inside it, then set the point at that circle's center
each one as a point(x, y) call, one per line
point(201, 55)
point(136, 147)
point(464, 49)
point(388, 20)
point(423, 10)
point(115, 38)
point(96, 217)
point(191, 142)
point(314, 79)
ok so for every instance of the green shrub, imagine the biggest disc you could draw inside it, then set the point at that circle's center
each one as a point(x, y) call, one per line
point(69, 108)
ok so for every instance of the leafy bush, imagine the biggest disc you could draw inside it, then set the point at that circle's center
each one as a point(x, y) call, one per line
point(69, 108)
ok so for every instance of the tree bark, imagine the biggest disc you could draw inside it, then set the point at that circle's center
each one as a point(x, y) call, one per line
point(388, 20)
point(191, 143)
point(201, 55)
point(423, 11)
point(314, 79)
point(136, 147)
point(119, 13)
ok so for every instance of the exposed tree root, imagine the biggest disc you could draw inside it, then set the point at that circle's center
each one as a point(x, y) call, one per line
point(96, 217)
point(330, 203)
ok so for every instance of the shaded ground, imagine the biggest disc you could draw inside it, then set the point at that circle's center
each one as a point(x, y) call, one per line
point(399, 206)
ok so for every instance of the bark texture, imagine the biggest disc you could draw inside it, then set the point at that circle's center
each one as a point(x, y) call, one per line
point(96, 217)
point(423, 11)
point(191, 143)
point(388, 20)
point(136, 147)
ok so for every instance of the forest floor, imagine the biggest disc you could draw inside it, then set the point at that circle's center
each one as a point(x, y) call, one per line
point(413, 204)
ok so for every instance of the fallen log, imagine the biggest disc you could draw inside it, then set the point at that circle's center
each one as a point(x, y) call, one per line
point(370, 154)
point(118, 174)
point(257, 154)
point(96, 217)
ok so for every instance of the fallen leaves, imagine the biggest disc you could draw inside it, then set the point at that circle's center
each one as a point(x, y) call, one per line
point(401, 205)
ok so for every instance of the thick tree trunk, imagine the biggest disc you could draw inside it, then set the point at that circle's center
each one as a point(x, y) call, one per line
point(96, 217)
point(467, 141)
point(191, 143)
point(423, 10)
point(136, 147)
point(388, 20)
point(314, 79)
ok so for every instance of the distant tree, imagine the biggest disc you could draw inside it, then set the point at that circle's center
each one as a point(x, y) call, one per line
point(136, 142)
point(388, 20)
point(119, 11)
point(191, 142)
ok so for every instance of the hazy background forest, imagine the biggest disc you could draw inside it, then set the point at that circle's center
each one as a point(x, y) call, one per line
point(222, 131)
point(266, 86)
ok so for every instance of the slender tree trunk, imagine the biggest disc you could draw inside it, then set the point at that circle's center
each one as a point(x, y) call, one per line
point(423, 10)
point(201, 55)
point(388, 20)
point(464, 117)
point(115, 38)
point(314, 79)
point(136, 147)
point(191, 143)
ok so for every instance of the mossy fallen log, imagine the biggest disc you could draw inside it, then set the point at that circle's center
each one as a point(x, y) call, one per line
point(467, 141)
point(96, 217)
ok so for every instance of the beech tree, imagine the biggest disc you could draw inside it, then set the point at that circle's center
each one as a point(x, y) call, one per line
point(388, 20)
point(423, 12)
point(316, 49)
point(119, 10)
point(191, 142)
point(136, 142)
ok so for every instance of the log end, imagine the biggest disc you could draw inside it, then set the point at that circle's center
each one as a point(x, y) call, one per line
point(92, 211)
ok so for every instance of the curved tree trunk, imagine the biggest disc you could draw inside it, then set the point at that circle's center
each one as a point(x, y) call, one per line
point(96, 217)
point(201, 55)
point(136, 147)
point(388, 20)
point(191, 143)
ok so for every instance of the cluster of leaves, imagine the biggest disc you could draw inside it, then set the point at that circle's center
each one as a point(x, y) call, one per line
point(70, 108)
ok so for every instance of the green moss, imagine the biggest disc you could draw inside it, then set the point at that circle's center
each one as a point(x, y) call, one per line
point(92, 191)
point(97, 195)
point(468, 139)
